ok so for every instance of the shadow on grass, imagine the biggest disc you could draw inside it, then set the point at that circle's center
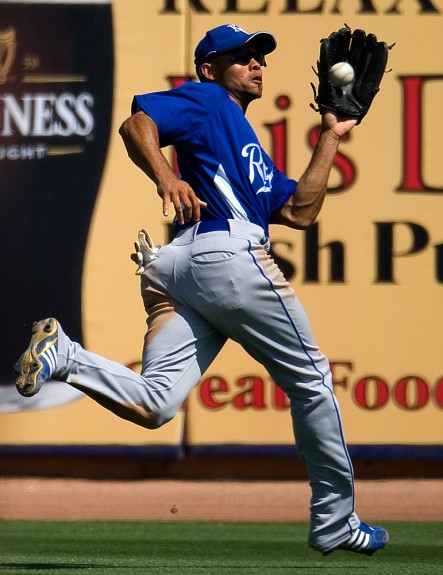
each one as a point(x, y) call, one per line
point(46, 566)
point(89, 566)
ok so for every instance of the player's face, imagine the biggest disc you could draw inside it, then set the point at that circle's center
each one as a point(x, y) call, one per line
point(240, 72)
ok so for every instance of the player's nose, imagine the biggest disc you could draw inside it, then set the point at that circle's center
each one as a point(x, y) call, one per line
point(254, 64)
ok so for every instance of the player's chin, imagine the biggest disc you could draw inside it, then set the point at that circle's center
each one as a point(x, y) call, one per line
point(256, 90)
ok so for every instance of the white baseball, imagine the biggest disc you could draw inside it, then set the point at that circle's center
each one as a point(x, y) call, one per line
point(341, 74)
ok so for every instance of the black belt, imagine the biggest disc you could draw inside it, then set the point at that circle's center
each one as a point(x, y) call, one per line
point(213, 226)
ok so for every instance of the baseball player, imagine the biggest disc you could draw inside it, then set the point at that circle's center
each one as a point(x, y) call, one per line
point(216, 280)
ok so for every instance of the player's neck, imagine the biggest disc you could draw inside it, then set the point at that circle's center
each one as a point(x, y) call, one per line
point(241, 104)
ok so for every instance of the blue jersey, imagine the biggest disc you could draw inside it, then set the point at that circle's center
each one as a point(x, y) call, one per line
point(218, 152)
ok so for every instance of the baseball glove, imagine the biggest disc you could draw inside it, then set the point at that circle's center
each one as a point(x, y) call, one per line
point(368, 58)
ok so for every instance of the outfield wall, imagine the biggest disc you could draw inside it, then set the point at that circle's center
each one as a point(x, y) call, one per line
point(369, 273)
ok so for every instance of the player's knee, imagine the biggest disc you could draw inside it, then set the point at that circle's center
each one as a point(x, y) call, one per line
point(143, 416)
point(156, 418)
point(152, 415)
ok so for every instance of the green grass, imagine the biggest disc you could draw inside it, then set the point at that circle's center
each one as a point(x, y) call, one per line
point(174, 548)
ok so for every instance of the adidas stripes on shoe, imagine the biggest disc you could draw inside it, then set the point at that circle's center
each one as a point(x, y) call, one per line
point(365, 540)
point(39, 361)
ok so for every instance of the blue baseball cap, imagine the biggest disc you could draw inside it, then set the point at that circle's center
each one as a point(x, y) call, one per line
point(230, 37)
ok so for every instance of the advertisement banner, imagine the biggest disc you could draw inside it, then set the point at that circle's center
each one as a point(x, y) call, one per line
point(56, 95)
point(369, 273)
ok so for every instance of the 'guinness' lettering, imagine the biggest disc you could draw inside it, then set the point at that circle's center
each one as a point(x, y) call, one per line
point(48, 114)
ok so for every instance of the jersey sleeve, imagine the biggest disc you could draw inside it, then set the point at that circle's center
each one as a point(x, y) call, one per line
point(180, 112)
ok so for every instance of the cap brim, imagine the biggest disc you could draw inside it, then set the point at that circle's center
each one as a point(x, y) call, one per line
point(263, 41)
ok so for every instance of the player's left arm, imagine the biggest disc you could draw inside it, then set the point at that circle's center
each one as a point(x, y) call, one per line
point(303, 206)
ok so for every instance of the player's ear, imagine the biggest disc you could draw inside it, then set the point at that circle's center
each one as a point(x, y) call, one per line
point(209, 71)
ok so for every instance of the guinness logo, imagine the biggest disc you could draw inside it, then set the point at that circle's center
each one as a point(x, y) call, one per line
point(8, 45)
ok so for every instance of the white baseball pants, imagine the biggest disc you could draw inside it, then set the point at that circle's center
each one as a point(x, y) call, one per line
point(198, 291)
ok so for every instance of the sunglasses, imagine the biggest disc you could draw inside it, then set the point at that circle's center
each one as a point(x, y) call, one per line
point(244, 55)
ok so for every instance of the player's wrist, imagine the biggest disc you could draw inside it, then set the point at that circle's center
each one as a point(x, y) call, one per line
point(330, 132)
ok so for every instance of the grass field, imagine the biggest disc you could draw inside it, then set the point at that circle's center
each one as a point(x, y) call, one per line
point(174, 548)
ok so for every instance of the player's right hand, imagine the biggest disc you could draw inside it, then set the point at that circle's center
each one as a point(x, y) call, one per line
point(186, 203)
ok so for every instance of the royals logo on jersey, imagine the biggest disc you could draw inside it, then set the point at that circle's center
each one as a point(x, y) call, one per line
point(257, 167)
